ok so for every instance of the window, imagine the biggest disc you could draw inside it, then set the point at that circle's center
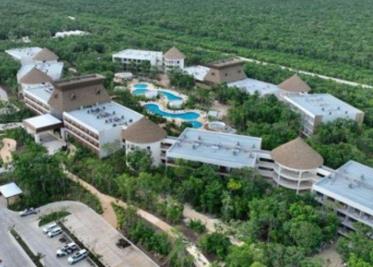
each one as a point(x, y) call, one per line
point(72, 96)
point(226, 74)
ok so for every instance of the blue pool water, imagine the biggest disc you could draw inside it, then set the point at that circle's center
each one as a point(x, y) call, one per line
point(140, 91)
point(140, 86)
point(196, 124)
point(170, 96)
point(186, 116)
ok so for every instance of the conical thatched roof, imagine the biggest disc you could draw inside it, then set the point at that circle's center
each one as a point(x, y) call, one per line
point(45, 55)
point(298, 155)
point(174, 53)
point(295, 84)
point(144, 131)
point(35, 76)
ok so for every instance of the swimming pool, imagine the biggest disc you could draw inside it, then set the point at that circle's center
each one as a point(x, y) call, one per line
point(140, 91)
point(170, 96)
point(186, 116)
point(140, 86)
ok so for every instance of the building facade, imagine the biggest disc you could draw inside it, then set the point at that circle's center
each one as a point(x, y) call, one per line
point(225, 71)
point(349, 191)
point(132, 58)
point(173, 59)
point(321, 108)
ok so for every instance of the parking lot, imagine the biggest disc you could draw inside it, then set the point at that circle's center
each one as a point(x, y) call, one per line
point(39, 242)
point(87, 226)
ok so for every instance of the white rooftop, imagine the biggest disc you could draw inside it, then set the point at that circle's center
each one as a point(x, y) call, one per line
point(198, 72)
point(325, 105)
point(53, 69)
point(43, 121)
point(41, 92)
point(10, 190)
point(352, 183)
point(70, 33)
point(138, 54)
point(104, 116)
point(23, 53)
point(222, 149)
point(252, 86)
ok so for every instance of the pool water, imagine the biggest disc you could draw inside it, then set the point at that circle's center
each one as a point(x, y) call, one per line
point(170, 96)
point(140, 86)
point(140, 91)
point(186, 116)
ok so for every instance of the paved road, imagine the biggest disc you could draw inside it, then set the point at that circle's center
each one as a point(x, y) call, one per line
point(308, 73)
point(27, 227)
point(10, 252)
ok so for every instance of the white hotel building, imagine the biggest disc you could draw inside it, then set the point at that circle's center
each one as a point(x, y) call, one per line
point(172, 59)
point(321, 108)
point(348, 190)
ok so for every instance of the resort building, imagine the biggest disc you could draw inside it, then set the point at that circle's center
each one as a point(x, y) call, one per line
point(130, 58)
point(23, 55)
point(99, 127)
point(34, 76)
point(39, 125)
point(198, 72)
point(77, 93)
point(293, 85)
point(173, 59)
point(145, 135)
point(321, 108)
point(36, 97)
point(226, 151)
point(296, 165)
point(225, 71)
point(348, 190)
point(252, 86)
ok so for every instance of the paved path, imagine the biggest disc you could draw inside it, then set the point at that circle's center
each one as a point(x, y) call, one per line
point(308, 73)
point(109, 215)
point(11, 252)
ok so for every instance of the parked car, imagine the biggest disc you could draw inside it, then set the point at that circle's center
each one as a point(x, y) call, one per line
point(78, 256)
point(67, 249)
point(28, 211)
point(55, 231)
point(49, 227)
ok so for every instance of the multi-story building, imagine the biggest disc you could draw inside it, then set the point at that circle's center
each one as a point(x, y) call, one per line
point(225, 71)
point(226, 151)
point(36, 97)
point(24, 55)
point(348, 190)
point(173, 59)
point(99, 126)
point(296, 165)
point(321, 108)
point(130, 58)
point(145, 135)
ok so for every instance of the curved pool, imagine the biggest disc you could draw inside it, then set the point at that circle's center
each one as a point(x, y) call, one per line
point(170, 96)
point(140, 91)
point(141, 86)
point(186, 116)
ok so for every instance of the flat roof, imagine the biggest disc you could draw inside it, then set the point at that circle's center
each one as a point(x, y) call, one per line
point(198, 72)
point(222, 149)
point(104, 116)
point(41, 92)
point(42, 121)
point(138, 54)
point(10, 190)
point(325, 105)
point(252, 86)
point(21, 53)
point(352, 183)
point(53, 69)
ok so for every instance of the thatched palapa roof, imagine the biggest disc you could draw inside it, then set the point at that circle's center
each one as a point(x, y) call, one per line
point(295, 84)
point(144, 131)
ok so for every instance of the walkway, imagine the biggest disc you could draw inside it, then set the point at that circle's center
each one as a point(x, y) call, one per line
point(109, 215)
point(308, 73)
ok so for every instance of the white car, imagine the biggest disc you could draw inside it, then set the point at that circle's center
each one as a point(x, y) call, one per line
point(28, 211)
point(78, 256)
point(49, 227)
point(55, 231)
point(67, 249)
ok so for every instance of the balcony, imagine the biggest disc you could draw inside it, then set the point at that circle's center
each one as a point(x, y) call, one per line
point(294, 185)
point(293, 175)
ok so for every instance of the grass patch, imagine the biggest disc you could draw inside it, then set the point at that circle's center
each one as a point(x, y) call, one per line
point(53, 216)
point(35, 258)
point(197, 226)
